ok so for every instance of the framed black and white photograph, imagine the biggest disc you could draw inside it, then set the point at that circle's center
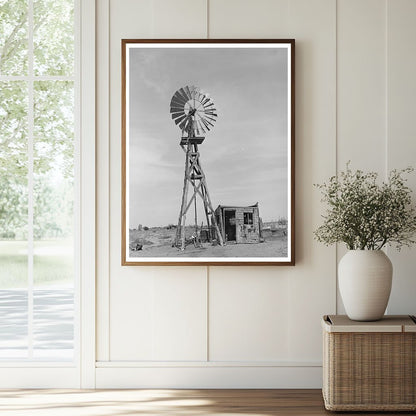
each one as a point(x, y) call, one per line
point(208, 152)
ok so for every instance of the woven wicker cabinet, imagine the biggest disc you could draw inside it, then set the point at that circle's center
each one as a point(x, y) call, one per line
point(369, 366)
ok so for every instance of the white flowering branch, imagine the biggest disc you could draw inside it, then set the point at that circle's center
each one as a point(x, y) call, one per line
point(365, 215)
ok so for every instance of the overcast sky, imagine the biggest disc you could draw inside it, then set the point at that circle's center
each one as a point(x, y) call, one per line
point(244, 156)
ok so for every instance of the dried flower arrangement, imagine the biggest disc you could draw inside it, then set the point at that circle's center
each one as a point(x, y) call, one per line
point(365, 214)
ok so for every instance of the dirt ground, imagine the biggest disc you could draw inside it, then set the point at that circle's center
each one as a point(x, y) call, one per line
point(157, 242)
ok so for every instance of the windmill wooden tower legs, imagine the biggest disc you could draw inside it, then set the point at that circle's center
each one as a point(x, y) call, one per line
point(195, 177)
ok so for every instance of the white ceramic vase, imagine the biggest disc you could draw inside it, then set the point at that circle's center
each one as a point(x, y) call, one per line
point(364, 278)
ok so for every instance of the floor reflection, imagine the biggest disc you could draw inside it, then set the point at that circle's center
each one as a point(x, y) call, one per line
point(53, 323)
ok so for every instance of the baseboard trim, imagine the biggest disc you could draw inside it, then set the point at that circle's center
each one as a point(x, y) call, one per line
point(210, 377)
point(203, 364)
point(39, 378)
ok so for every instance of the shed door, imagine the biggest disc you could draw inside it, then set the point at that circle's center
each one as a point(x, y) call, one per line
point(229, 221)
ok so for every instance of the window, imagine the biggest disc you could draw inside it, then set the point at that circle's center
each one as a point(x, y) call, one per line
point(38, 203)
point(248, 218)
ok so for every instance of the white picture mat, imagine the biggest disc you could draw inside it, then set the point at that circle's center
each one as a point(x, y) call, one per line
point(132, 46)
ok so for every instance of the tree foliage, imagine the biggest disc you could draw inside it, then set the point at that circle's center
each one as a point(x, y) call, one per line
point(366, 215)
point(53, 37)
point(54, 127)
point(13, 208)
point(13, 37)
point(52, 118)
point(13, 129)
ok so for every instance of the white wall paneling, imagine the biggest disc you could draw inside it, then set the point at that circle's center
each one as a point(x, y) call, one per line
point(257, 312)
point(361, 88)
point(311, 282)
point(162, 316)
point(361, 84)
point(103, 177)
point(248, 19)
point(248, 326)
point(401, 133)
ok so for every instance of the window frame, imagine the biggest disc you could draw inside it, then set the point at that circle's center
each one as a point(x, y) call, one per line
point(81, 371)
point(249, 217)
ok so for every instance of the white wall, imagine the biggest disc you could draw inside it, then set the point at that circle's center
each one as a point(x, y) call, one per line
point(255, 326)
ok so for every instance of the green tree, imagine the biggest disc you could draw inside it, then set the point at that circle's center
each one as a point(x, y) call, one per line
point(53, 118)
point(13, 209)
point(53, 37)
point(13, 37)
point(13, 129)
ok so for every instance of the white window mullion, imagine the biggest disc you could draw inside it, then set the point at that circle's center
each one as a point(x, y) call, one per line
point(77, 187)
point(30, 180)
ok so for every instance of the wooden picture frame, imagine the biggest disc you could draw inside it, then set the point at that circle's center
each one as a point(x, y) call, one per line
point(220, 189)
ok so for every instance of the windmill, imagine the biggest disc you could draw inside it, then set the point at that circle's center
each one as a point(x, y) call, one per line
point(195, 114)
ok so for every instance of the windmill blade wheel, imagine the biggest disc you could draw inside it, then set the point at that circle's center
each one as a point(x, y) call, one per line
point(193, 111)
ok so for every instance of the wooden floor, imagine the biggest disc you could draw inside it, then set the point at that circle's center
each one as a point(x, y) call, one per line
point(164, 402)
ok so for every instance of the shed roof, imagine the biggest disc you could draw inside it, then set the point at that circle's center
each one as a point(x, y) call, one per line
point(235, 206)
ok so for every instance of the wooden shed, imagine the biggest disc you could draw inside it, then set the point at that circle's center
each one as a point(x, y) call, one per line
point(239, 224)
